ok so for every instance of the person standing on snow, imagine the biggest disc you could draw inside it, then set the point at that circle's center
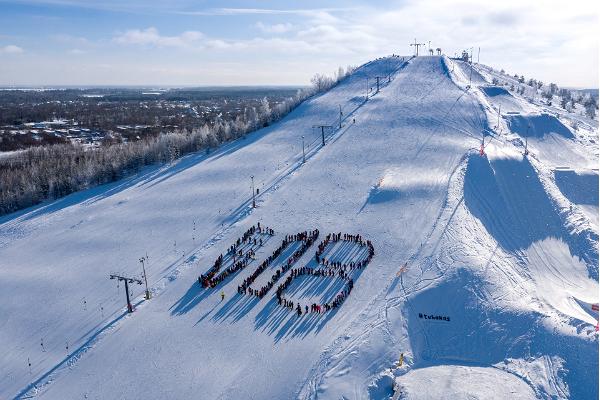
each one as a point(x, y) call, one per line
point(222, 295)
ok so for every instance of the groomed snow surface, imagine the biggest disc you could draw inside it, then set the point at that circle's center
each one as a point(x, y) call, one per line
point(484, 277)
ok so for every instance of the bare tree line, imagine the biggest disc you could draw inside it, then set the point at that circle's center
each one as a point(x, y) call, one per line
point(51, 172)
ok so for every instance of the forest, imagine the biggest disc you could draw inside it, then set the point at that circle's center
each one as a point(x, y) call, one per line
point(40, 173)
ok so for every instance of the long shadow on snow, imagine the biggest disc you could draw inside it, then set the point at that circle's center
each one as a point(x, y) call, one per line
point(236, 308)
point(538, 126)
point(152, 174)
point(298, 110)
point(482, 333)
point(85, 197)
point(73, 356)
point(580, 188)
point(308, 286)
point(286, 324)
point(196, 294)
point(159, 173)
point(510, 201)
point(148, 175)
point(240, 305)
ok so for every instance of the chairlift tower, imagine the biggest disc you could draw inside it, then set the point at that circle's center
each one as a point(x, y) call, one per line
point(127, 282)
point(377, 78)
point(416, 46)
point(322, 131)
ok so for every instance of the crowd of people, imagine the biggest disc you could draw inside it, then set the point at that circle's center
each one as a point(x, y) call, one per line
point(314, 307)
point(240, 259)
point(307, 238)
point(331, 269)
point(346, 237)
point(326, 267)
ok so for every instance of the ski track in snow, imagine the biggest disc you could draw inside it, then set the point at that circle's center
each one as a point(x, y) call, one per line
point(464, 244)
point(242, 211)
point(341, 349)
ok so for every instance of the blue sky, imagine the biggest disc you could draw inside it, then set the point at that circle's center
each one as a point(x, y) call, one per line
point(184, 42)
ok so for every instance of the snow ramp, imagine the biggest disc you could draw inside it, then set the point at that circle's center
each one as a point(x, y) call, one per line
point(579, 186)
point(549, 140)
point(538, 126)
point(501, 98)
point(507, 197)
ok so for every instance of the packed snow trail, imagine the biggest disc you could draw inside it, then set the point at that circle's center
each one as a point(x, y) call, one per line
point(323, 195)
point(502, 289)
point(405, 175)
point(167, 213)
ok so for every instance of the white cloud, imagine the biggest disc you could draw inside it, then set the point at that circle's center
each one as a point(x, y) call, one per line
point(307, 12)
point(11, 49)
point(275, 28)
point(70, 39)
point(551, 40)
point(152, 37)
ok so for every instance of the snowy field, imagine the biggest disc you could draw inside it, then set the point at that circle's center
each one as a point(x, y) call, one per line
point(485, 266)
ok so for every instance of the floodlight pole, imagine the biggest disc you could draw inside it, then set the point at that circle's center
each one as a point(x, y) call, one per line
point(253, 197)
point(471, 73)
point(145, 278)
point(499, 107)
point(416, 45)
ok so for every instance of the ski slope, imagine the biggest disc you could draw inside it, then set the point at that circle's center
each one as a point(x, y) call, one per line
point(503, 247)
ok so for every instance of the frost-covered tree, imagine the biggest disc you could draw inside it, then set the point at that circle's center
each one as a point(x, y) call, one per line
point(49, 172)
point(321, 82)
point(591, 106)
point(565, 97)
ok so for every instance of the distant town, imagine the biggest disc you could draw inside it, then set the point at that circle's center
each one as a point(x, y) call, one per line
point(102, 116)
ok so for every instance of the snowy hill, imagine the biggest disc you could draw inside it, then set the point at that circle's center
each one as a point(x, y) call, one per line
point(485, 266)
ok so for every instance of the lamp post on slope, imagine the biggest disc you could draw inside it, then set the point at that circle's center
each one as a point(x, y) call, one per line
point(253, 198)
point(145, 278)
point(303, 154)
